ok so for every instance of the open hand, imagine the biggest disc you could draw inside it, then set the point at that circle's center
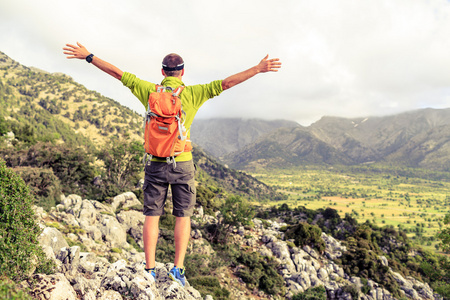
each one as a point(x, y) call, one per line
point(73, 51)
point(269, 65)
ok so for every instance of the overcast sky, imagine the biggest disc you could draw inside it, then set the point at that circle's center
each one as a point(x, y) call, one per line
point(340, 57)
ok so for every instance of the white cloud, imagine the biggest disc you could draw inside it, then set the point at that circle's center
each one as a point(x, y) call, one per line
point(341, 58)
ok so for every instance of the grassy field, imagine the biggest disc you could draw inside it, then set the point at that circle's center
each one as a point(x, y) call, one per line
point(415, 205)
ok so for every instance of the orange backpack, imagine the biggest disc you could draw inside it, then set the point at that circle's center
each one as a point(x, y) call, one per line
point(165, 134)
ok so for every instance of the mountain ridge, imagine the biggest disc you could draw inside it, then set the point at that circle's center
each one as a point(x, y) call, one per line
point(225, 135)
point(418, 139)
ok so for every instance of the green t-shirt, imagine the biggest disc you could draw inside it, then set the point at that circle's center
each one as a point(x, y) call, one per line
point(192, 97)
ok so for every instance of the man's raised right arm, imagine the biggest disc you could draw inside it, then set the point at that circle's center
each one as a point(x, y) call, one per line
point(265, 65)
point(80, 52)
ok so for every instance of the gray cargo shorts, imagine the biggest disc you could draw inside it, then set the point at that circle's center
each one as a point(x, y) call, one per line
point(158, 177)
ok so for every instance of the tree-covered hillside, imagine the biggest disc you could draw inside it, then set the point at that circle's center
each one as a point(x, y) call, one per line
point(56, 108)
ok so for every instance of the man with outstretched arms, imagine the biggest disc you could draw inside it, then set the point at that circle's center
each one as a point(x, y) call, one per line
point(159, 174)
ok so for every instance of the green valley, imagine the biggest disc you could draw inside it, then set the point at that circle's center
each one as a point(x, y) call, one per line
point(413, 204)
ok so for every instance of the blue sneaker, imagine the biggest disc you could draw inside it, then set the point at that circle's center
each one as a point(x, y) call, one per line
point(152, 272)
point(177, 275)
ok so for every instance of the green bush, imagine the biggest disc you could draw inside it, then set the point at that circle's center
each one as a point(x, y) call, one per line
point(209, 285)
point(43, 184)
point(361, 258)
point(201, 271)
point(20, 252)
point(122, 160)
point(4, 127)
point(8, 290)
point(73, 166)
point(257, 271)
point(352, 290)
point(304, 234)
point(116, 250)
point(205, 197)
point(316, 293)
point(442, 288)
point(444, 235)
point(236, 211)
point(165, 248)
point(167, 221)
point(132, 242)
point(365, 288)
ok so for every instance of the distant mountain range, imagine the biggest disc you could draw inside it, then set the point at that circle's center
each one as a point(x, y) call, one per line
point(222, 136)
point(418, 138)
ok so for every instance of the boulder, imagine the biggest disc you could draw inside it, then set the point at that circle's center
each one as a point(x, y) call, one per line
point(50, 287)
point(200, 246)
point(52, 238)
point(88, 262)
point(281, 251)
point(70, 256)
point(110, 295)
point(87, 214)
point(196, 234)
point(125, 200)
point(70, 259)
point(384, 261)
point(133, 223)
point(86, 287)
point(301, 264)
point(268, 238)
point(72, 203)
point(311, 252)
point(322, 274)
point(113, 233)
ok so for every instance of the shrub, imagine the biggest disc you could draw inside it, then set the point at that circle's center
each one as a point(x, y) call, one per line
point(73, 166)
point(444, 235)
point(167, 221)
point(209, 285)
point(352, 290)
point(198, 265)
point(122, 167)
point(8, 290)
point(205, 198)
point(304, 234)
point(132, 242)
point(20, 252)
point(316, 293)
point(442, 288)
point(165, 249)
point(43, 184)
point(3, 126)
point(116, 250)
point(258, 271)
point(236, 211)
point(361, 259)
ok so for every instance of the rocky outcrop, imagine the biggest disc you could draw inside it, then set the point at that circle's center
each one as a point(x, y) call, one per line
point(101, 264)
point(96, 261)
point(304, 268)
point(84, 277)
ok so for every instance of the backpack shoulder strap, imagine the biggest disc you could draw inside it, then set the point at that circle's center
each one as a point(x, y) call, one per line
point(159, 88)
point(178, 91)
